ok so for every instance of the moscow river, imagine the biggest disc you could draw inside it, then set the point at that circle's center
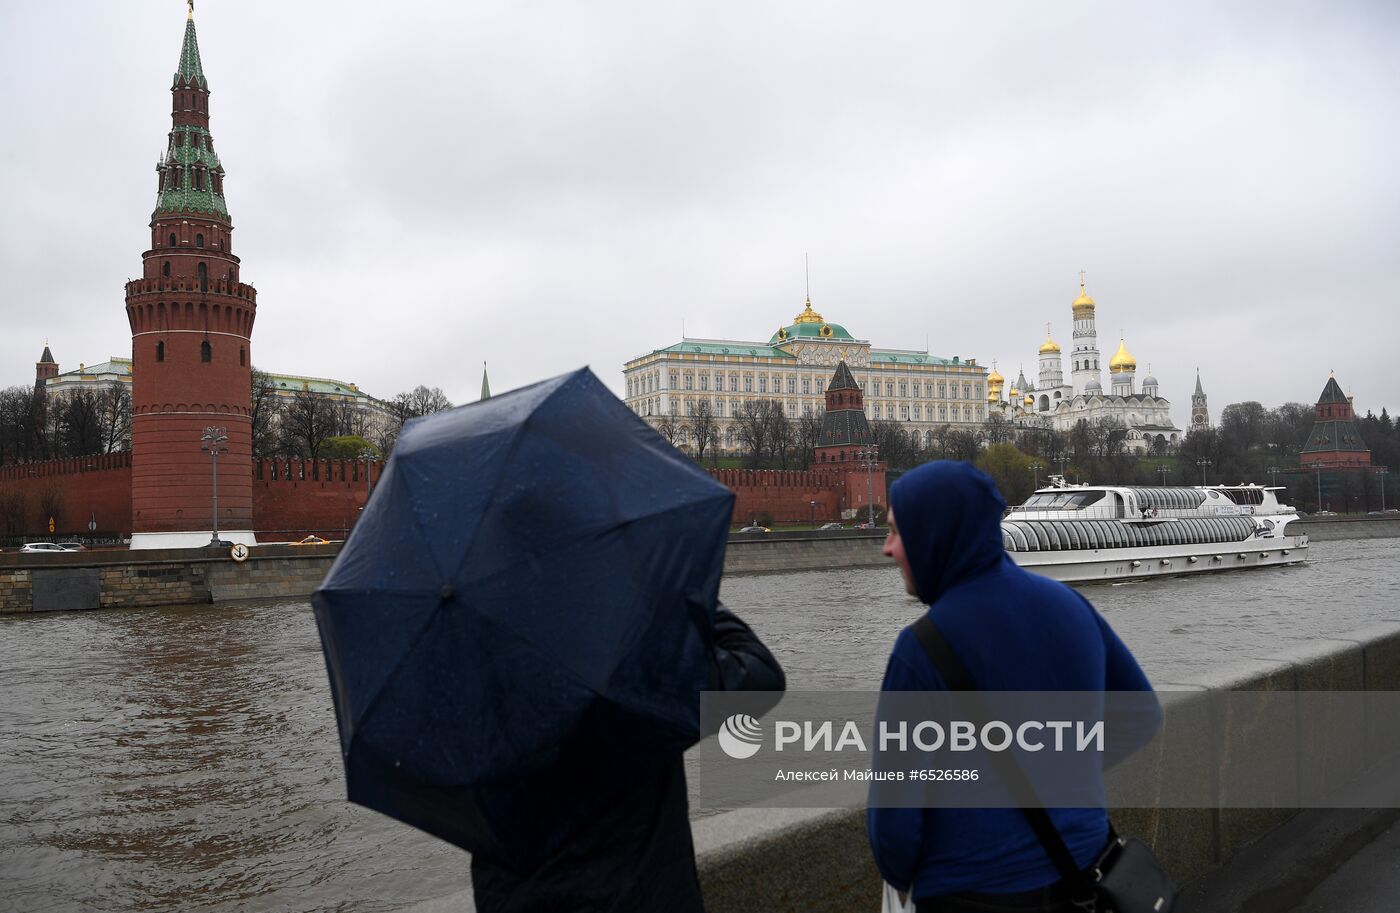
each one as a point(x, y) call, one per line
point(186, 758)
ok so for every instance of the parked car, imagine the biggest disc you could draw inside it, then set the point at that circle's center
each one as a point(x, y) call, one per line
point(48, 548)
point(313, 540)
point(72, 546)
point(755, 529)
point(831, 526)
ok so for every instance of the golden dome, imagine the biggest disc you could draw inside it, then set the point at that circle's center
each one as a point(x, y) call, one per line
point(808, 315)
point(1122, 360)
point(1029, 400)
point(1011, 397)
point(1083, 304)
point(995, 379)
point(1049, 346)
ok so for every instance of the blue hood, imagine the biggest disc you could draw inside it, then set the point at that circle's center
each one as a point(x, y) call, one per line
point(949, 518)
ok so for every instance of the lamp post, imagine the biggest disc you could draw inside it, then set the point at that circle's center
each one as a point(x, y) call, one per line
point(1273, 475)
point(870, 454)
point(814, 513)
point(1318, 467)
point(1163, 470)
point(1035, 472)
point(368, 457)
point(214, 440)
point(1204, 464)
point(1382, 472)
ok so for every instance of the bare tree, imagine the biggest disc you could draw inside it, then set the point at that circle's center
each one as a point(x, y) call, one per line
point(704, 429)
point(264, 414)
point(895, 443)
point(116, 418)
point(963, 443)
point(754, 429)
point(13, 507)
point(668, 424)
point(79, 416)
point(998, 430)
point(782, 437)
point(809, 433)
point(306, 422)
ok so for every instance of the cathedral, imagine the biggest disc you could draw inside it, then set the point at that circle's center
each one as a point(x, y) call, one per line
point(1052, 403)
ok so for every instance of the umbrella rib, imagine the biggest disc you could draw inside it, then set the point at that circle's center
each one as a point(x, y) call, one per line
point(394, 671)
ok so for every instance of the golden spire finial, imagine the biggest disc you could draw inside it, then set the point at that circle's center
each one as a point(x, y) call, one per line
point(1081, 272)
point(191, 3)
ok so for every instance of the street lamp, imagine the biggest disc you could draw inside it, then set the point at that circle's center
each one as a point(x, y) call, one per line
point(214, 441)
point(1204, 464)
point(814, 513)
point(368, 456)
point(1273, 475)
point(870, 455)
point(1035, 472)
point(1382, 472)
point(1163, 470)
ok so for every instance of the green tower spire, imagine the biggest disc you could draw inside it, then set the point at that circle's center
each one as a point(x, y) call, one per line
point(485, 384)
point(191, 70)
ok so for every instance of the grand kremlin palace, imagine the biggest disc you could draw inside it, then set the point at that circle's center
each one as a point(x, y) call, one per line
point(793, 367)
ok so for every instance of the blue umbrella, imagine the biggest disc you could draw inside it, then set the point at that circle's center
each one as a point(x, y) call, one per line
point(522, 613)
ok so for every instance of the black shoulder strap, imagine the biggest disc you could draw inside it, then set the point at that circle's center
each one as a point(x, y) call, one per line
point(955, 675)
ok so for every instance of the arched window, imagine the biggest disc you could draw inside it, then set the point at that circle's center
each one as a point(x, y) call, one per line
point(199, 240)
point(165, 268)
point(206, 352)
point(242, 357)
point(203, 277)
point(160, 351)
point(172, 239)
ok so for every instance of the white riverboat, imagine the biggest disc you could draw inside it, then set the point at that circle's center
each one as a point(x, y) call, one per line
point(1079, 533)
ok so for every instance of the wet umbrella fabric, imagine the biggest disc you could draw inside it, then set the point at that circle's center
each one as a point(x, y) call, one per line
point(521, 614)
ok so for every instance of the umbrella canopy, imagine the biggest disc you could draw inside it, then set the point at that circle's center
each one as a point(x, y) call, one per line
point(522, 612)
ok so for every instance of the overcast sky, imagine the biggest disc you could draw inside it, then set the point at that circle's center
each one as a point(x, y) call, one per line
point(420, 188)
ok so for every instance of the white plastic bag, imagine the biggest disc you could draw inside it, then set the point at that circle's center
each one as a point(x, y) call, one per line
point(892, 903)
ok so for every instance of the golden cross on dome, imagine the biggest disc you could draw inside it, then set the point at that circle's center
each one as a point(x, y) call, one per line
point(1081, 272)
point(191, 3)
point(1047, 329)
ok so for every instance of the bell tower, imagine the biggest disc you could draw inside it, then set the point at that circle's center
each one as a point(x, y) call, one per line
point(191, 328)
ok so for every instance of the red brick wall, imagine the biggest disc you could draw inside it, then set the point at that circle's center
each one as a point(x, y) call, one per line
point(787, 496)
point(94, 487)
point(296, 498)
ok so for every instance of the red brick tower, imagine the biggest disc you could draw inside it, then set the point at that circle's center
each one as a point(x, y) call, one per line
point(846, 444)
point(44, 368)
point(191, 326)
point(1334, 442)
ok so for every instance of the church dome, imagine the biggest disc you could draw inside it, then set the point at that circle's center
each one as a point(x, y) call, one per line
point(1049, 347)
point(1093, 386)
point(1122, 360)
point(1149, 381)
point(1083, 304)
point(995, 377)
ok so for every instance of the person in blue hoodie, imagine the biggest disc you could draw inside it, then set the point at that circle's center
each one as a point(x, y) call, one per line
point(1013, 631)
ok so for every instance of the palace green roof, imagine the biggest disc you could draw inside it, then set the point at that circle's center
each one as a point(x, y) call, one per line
point(885, 357)
point(190, 70)
point(811, 331)
point(711, 347)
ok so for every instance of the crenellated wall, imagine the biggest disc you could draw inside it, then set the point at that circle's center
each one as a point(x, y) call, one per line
point(93, 489)
point(296, 498)
point(787, 496)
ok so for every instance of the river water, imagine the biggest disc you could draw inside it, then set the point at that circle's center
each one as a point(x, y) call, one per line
point(186, 758)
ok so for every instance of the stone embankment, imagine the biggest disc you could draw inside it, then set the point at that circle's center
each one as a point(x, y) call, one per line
point(120, 579)
point(125, 579)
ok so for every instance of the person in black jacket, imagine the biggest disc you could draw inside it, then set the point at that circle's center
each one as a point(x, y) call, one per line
point(635, 854)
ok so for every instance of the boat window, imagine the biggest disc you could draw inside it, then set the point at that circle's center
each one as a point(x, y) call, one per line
point(1017, 535)
point(1073, 535)
point(1244, 495)
point(1054, 531)
point(1006, 542)
point(1063, 500)
point(1042, 535)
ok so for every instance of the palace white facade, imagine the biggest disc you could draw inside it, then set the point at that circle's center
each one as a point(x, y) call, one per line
point(1052, 403)
point(793, 368)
